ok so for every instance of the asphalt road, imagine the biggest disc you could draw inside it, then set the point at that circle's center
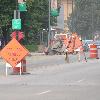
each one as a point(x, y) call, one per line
point(51, 78)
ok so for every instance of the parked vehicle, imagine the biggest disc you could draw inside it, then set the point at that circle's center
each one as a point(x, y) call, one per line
point(56, 45)
point(87, 43)
point(97, 43)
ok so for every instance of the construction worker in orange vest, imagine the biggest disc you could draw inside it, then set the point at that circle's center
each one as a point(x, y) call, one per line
point(74, 45)
point(78, 47)
point(69, 46)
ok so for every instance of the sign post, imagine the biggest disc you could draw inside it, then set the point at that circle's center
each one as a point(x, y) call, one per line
point(16, 14)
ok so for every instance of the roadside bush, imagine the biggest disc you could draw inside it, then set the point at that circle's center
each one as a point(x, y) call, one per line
point(31, 48)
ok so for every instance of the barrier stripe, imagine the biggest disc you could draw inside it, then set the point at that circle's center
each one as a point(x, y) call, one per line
point(93, 49)
point(93, 53)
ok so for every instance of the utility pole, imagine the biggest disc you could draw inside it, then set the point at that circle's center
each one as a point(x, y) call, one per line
point(16, 4)
point(92, 5)
point(17, 17)
point(72, 17)
point(49, 24)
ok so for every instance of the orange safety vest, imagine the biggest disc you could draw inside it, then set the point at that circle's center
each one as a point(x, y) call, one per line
point(78, 43)
point(74, 43)
point(69, 44)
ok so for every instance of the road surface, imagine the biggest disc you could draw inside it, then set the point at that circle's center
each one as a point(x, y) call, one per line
point(51, 78)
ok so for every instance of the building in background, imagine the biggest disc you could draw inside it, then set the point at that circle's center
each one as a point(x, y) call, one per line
point(65, 11)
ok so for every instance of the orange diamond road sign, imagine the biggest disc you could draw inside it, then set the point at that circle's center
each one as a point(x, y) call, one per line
point(13, 52)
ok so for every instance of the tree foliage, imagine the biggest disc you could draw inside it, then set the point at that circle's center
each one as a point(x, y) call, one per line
point(85, 18)
point(6, 14)
point(34, 20)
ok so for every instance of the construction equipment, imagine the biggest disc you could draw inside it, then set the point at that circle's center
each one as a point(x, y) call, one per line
point(66, 44)
point(56, 45)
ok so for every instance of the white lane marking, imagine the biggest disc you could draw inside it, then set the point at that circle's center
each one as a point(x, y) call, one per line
point(79, 80)
point(43, 92)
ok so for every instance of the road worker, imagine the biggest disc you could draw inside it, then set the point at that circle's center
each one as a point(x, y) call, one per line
point(74, 45)
point(69, 46)
point(78, 47)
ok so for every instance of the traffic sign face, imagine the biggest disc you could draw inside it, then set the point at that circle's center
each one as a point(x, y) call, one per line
point(17, 33)
point(22, 6)
point(13, 52)
point(54, 12)
point(16, 24)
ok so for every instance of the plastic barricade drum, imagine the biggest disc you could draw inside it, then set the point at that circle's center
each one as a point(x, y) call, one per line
point(93, 51)
point(23, 67)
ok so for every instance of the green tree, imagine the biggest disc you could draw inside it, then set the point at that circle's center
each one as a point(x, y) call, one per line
point(6, 14)
point(34, 20)
point(37, 19)
point(85, 18)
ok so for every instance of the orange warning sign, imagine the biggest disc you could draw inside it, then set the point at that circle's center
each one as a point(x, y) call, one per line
point(13, 52)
